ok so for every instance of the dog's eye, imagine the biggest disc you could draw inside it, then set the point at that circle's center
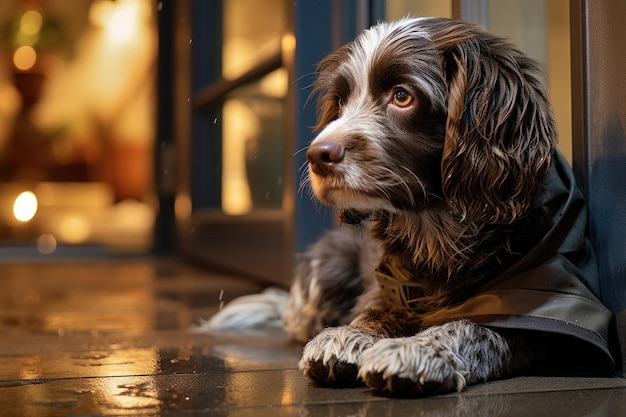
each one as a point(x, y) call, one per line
point(402, 98)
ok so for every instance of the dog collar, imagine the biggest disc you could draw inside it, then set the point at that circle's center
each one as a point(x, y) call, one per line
point(400, 292)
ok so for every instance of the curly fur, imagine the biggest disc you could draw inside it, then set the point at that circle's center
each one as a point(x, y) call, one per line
point(434, 136)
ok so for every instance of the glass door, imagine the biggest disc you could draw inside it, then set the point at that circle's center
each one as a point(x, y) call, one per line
point(231, 109)
point(241, 81)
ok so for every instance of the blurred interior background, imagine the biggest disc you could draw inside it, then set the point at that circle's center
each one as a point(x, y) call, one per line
point(77, 124)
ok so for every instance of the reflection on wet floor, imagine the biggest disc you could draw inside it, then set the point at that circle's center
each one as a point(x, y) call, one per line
point(112, 338)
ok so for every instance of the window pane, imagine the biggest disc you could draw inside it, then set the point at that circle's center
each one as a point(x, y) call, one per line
point(253, 145)
point(252, 115)
point(252, 33)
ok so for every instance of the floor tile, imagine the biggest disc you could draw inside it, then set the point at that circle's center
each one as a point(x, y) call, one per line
point(113, 338)
point(153, 355)
point(282, 392)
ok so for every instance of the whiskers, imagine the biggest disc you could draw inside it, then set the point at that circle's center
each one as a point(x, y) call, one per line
point(379, 182)
point(386, 182)
point(304, 185)
point(299, 151)
point(305, 180)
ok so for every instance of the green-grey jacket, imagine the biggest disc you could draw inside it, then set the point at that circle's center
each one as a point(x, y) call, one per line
point(551, 289)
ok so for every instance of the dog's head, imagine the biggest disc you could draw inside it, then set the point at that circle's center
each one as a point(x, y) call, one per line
point(431, 114)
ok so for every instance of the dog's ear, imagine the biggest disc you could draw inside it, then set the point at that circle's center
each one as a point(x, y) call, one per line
point(330, 87)
point(500, 132)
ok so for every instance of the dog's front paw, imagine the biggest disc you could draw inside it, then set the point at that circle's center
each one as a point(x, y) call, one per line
point(333, 357)
point(410, 366)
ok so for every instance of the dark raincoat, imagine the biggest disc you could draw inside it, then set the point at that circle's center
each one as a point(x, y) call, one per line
point(551, 291)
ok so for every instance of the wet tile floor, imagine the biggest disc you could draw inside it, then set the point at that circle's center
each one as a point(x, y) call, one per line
point(111, 338)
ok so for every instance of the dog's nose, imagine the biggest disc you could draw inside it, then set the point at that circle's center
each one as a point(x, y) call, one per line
point(323, 155)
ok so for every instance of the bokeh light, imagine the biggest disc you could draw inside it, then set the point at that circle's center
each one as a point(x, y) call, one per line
point(24, 57)
point(47, 244)
point(25, 206)
point(31, 22)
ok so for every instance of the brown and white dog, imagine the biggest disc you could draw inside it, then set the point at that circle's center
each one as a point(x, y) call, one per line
point(434, 139)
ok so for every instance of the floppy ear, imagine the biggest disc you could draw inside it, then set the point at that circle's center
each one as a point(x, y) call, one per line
point(330, 87)
point(500, 133)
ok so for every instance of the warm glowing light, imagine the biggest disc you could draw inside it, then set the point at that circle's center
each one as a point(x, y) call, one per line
point(238, 57)
point(11, 101)
point(74, 229)
point(183, 206)
point(276, 83)
point(288, 42)
point(31, 22)
point(123, 23)
point(46, 244)
point(101, 11)
point(120, 20)
point(242, 128)
point(25, 206)
point(24, 57)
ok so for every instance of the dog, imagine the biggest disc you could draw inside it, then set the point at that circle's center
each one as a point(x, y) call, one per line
point(461, 224)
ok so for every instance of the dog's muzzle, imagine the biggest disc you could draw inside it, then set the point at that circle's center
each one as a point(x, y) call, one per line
point(322, 156)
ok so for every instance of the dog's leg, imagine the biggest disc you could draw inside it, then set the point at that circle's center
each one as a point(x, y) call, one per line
point(442, 359)
point(331, 277)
